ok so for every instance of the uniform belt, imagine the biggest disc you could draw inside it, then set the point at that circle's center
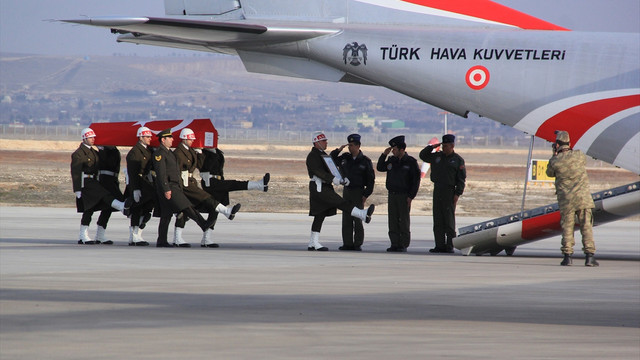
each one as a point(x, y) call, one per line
point(89, 176)
point(107, 172)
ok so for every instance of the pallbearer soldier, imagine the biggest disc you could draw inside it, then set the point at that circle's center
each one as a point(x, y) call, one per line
point(323, 200)
point(187, 159)
point(359, 170)
point(403, 180)
point(108, 176)
point(574, 198)
point(448, 175)
point(140, 186)
point(91, 196)
point(169, 187)
point(213, 182)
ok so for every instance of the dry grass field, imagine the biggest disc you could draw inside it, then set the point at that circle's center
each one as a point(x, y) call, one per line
point(36, 173)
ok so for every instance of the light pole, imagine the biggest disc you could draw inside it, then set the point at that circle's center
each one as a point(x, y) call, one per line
point(445, 120)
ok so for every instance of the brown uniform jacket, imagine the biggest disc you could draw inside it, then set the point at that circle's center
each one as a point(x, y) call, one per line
point(188, 161)
point(85, 160)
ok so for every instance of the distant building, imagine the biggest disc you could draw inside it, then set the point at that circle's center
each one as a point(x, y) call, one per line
point(392, 124)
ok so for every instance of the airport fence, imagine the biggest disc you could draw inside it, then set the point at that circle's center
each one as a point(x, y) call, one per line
point(290, 137)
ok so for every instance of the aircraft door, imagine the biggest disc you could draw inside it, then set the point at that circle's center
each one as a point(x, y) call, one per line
point(200, 7)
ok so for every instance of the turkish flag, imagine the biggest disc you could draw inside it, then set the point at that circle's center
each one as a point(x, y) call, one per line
point(124, 133)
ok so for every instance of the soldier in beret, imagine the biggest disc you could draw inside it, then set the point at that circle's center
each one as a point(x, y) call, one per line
point(359, 170)
point(574, 198)
point(323, 199)
point(403, 180)
point(448, 175)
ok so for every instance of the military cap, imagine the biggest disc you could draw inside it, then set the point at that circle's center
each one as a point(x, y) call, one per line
point(354, 138)
point(165, 133)
point(448, 138)
point(562, 136)
point(398, 141)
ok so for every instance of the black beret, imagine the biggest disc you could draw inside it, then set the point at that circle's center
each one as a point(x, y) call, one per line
point(448, 138)
point(398, 141)
point(354, 138)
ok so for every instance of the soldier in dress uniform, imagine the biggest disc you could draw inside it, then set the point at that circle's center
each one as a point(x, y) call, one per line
point(323, 200)
point(213, 182)
point(574, 198)
point(91, 196)
point(403, 180)
point(109, 157)
point(169, 189)
point(448, 175)
point(188, 161)
point(359, 170)
point(140, 186)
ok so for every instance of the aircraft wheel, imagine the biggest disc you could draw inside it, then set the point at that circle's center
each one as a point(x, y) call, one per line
point(509, 251)
point(495, 252)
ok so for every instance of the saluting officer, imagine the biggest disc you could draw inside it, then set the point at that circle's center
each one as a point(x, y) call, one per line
point(359, 170)
point(140, 186)
point(323, 200)
point(91, 196)
point(188, 162)
point(403, 180)
point(448, 175)
point(213, 182)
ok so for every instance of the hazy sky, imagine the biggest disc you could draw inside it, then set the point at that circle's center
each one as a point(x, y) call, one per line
point(23, 29)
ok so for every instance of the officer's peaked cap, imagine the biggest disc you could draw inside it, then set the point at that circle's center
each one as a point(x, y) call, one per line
point(165, 133)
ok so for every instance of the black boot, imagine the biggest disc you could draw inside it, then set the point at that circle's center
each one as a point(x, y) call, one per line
point(590, 260)
point(449, 246)
point(567, 260)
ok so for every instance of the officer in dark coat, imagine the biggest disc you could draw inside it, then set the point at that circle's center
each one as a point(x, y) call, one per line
point(403, 180)
point(448, 175)
point(211, 165)
point(171, 197)
point(359, 170)
point(323, 200)
point(108, 176)
point(91, 196)
point(140, 186)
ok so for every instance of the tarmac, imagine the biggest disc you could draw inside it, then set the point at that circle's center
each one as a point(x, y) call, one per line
point(262, 295)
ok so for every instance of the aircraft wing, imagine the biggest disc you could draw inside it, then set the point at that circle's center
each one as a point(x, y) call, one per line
point(463, 56)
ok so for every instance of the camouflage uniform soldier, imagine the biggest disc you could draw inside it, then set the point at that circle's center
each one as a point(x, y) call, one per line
point(574, 199)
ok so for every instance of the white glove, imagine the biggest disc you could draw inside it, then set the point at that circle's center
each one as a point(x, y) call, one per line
point(336, 181)
point(137, 194)
point(346, 182)
point(199, 151)
point(78, 194)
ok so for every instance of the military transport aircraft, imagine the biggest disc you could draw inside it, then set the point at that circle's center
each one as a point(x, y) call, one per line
point(463, 56)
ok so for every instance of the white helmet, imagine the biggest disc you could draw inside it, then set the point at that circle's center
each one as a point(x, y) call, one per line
point(87, 133)
point(319, 136)
point(187, 134)
point(144, 131)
